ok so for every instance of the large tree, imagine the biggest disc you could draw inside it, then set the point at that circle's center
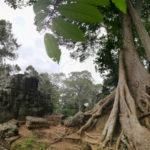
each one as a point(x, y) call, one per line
point(130, 100)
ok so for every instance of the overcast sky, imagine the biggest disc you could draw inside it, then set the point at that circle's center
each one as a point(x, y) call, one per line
point(32, 50)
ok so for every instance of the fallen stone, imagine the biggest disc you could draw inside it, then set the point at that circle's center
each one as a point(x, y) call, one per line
point(76, 120)
point(8, 129)
point(36, 122)
point(54, 119)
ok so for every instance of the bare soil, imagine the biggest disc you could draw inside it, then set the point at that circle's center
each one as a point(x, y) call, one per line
point(57, 137)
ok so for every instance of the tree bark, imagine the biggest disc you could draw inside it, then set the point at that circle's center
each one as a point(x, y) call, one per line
point(130, 99)
point(143, 34)
point(137, 79)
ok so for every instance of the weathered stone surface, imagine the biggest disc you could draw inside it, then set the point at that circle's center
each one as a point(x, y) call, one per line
point(19, 97)
point(4, 145)
point(36, 122)
point(8, 129)
point(54, 119)
point(76, 120)
point(8, 134)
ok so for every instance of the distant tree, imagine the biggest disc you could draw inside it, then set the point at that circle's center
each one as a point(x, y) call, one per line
point(48, 88)
point(79, 90)
point(57, 79)
point(16, 69)
point(8, 45)
point(30, 70)
point(11, 69)
point(19, 3)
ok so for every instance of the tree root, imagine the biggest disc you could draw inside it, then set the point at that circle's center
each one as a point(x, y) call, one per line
point(119, 140)
point(144, 115)
point(97, 112)
point(111, 122)
point(124, 108)
point(125, 142)
point(62, 136)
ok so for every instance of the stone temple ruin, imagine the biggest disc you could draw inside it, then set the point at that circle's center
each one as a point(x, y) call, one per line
point(19, 97)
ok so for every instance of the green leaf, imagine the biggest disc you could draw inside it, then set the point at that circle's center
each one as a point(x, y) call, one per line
point(81, 12)
point(52, 48)
point(39, 25)
point(93, 2)
point(39, 19)
point(40, 5)
point(67, 30)
point(121, 5)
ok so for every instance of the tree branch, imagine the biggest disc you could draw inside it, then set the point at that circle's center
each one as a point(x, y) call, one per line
point(143, 34)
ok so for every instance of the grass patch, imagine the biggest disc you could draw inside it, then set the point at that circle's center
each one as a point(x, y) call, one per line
point(29, 144)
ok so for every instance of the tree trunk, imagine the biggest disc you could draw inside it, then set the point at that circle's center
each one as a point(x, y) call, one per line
point(130, 99)
point(143, 34)
point(135, 92)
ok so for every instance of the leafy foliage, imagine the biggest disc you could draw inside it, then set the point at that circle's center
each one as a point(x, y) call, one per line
point(52, 47)
point(81, 12)
point(40, 5)
point(93, 2)
point(77, 91)
point(8, 45)
point(46, 86)
point(74, 11)
point(19, 3)
point(30, 70)
point(121, 4)
point(64, 28)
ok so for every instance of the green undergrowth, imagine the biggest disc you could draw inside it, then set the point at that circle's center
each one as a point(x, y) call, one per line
point(29, 144)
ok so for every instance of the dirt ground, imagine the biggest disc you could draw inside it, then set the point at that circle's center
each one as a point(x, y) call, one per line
point(57, 137)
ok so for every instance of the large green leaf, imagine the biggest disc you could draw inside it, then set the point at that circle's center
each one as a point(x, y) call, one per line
point(121, 5)
point(81, 12)
point(39, 19)
point(67, 30)
point(52, 48)
point(93, 2)
point(40, 5)
point(39, 25)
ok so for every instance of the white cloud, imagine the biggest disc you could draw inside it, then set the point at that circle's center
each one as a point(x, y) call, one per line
point(32, 51)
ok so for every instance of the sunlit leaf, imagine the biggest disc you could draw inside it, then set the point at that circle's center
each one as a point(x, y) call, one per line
point(121, 5)
point(40, 5)
point(93, 2)
point(81, 12)
point(67, 30)
point(52, 48)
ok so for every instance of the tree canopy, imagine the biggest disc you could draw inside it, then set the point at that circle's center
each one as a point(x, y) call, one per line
point(77, 91)
point(8, 45)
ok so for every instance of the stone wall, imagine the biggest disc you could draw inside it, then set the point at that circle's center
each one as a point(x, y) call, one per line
point(19, 97)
